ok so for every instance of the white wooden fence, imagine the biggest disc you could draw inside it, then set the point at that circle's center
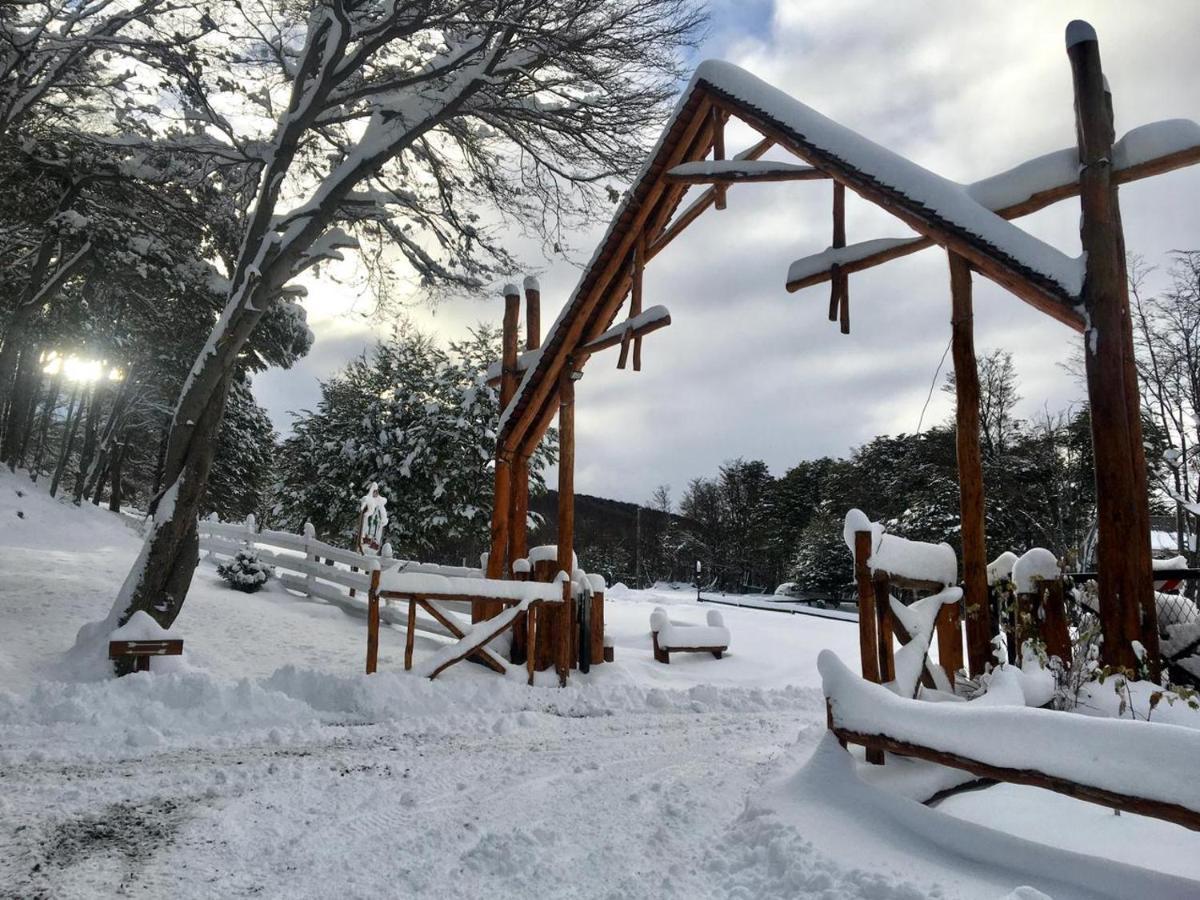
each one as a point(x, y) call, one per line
point(322, 571)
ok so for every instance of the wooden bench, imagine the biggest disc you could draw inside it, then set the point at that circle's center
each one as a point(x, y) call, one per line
point(711, 638)
point(141, 651)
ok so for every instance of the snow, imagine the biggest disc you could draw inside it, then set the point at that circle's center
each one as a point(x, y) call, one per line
point(1153, 140)
point(401, 580)
point(1079, 31)
point(900, 556)
point(645, 317)
point(1174, 562)
point(140, 627)
point(807, 266)
point(1042, 740)
point(549, 553)
point(1000, 569)
point(735, 167)
point(531, 283)
point(685, 634)
point(1036, 564)
point(268, 764)
point(510, 290)
point(919, 620)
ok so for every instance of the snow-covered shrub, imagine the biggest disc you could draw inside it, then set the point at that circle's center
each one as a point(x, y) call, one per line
point(245, 571)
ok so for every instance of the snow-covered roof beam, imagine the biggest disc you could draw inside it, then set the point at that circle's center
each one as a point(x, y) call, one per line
point(741, 171)
point(646, 322)
point(1145, 151)
point(931, 205)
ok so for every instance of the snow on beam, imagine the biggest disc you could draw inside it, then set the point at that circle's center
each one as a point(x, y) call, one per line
point(728, 171)
point(644, 323)
point(525, 361)
point(1147, 150)
point(1137, 766)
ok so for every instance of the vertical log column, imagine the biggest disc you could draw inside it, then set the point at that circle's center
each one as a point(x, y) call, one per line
point(718, 144)
point(1127, 611)
point(518, 537)
point(566, 514)
point(868, 639)
point(970, 473)
point(498, 561)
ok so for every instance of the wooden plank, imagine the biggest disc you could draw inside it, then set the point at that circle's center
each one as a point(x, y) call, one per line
point(1123, 517)
point(1053, 624)
point(868, 647)
point(1170, 812)
point(501, 510)
point(970, 467)
point(518, 540)
point(485, 656)
point(499, 625)
point(883, 612)
point(165, 647)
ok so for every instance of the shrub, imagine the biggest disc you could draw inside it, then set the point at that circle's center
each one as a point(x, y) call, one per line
point(245, 571)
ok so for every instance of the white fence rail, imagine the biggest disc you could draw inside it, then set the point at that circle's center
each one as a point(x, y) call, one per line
point(322, 571)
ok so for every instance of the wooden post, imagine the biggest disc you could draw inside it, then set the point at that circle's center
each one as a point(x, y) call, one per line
point(1053, 620)
point(970, 467)
point(410, 633)
point(597, 635)
point(508, 357)
point(531, 641)
point(839, 290)
point(566, 511)
point(868, 646)
point(373, 622)
point(1127, 611)
point(883, 612)
point(868, 643)
point(518, 541)
point(310, 556)
point(718, 125)
point(501, 509)
point(533, 313)
point(950, 640)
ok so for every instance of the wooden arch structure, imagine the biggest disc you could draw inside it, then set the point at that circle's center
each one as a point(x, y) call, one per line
point(970, 222)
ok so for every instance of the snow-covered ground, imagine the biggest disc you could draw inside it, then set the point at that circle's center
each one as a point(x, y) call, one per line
point(265, 763)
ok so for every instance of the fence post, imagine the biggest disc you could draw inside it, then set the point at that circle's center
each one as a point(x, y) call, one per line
point(310, 580)
point(373, 619)
point(211, 517)
point(251, 527)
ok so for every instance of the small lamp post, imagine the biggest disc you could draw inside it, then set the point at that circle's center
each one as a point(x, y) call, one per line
point(698, 600)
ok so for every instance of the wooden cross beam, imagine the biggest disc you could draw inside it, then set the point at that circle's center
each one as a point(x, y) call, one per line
point(633, 328)
point(741, 171)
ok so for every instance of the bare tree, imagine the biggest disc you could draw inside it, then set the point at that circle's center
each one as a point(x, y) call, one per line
point(400, 121)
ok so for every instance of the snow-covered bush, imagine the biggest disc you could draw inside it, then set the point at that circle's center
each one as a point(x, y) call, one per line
point(245, 571)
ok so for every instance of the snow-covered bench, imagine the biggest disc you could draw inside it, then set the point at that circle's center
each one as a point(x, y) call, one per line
point(671, 637)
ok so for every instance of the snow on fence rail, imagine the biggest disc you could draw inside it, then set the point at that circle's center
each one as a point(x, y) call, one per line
point(322, 571)
point(1140, 767)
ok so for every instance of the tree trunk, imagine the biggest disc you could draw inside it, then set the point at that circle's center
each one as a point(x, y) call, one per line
point(47, 414)
point(72, 424)
point(114, 497)
point(95, 401)
point(17, 423)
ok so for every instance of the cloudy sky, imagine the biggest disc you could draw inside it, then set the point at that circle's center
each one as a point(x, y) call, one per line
point(746, 369)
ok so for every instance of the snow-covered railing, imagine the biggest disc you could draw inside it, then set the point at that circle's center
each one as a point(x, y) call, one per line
point(321, 571)
point(1133, 766)
point(882, 562)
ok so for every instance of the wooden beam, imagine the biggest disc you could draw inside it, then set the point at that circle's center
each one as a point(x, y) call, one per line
point(1123, 517)
point(373, 623)
point(970, 467)
point(719, 118)
point(768, 176)
point(518, 540)
point(703, 202)
point(1160, 165)
point(839, 293)
point(501, 510)
point(608, 339)
point(1157, 809)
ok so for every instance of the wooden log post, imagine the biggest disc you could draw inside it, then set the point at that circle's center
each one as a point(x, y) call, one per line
point(518, 541)
point(410, 633)
point(1127, 611)
point(1052, 619)
point(373, 621)
point(533, 313)
point(310, 556)
point(597, 635)
point(970, 467)
point(635, 294)
point(868, 641)
point(566, 513)
point(882, 587)
point(950, 640)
